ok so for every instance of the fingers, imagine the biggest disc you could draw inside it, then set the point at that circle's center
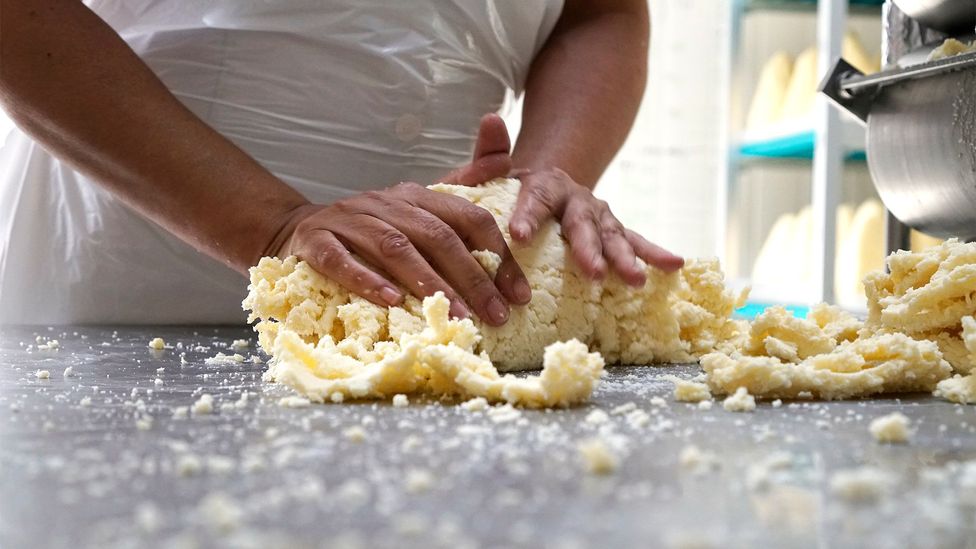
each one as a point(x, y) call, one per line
point(324, 253)
point(484, 169)
point(580, 228)
point(492, 137)
point(479, 231)
point(536, 203)
point(447, 252)
point(653, 254)
point(387, 247)
point(599, 241)
point(618, 251)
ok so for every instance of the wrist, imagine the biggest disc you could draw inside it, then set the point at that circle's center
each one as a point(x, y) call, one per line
point(279, 229)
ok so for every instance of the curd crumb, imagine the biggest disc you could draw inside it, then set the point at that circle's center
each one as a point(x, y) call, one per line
point(741, 401)
point(597, 457)
point(203, 405)
point(890, 428)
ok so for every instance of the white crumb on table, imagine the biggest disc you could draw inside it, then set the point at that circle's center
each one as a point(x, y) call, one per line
point(695, 460)
point(623, 409)
point(860, 485)
point(598, 458)
point(290, 402)
point(354, 433)
point(893, 428)
point(741, 401)
point(477, 404)
point(203, 405)
point(597, 417)
point(239, 344)
point(690, 391)
point(418, 480)
point(504, 413)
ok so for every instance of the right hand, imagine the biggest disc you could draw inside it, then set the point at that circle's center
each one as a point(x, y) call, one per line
point(416, 237)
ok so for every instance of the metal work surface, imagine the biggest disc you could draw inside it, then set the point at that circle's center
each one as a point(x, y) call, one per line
point(97, 459)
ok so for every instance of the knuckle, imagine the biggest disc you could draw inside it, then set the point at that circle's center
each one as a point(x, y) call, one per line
point(329, 255)
point(435, 229)
point(477, 282)
point(394, 244)
point(482, 219)
point(545, 195)
point(611, 231)
point(373, 195)
point(408, 187)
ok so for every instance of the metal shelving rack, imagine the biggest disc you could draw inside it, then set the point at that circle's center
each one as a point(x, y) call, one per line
point(823, 144)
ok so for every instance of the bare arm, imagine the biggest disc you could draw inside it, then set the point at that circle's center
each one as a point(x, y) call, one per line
point(69, 80)
point(581, 97)
point(76, 87)
point(584, 88)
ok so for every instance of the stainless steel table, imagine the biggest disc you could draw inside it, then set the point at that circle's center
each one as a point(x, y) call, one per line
point(97, 459)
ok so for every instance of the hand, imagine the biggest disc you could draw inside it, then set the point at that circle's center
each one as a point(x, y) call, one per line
point(596, 238)
point(416, 237)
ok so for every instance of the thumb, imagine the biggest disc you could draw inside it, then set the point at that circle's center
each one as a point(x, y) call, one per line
point(491, 156)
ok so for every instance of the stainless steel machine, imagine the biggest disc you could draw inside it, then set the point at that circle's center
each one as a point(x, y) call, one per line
point(920, 117)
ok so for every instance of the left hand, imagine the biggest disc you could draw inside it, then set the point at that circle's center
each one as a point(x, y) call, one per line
point(597, 239)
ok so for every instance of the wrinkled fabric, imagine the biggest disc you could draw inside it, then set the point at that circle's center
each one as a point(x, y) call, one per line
point(332, 97)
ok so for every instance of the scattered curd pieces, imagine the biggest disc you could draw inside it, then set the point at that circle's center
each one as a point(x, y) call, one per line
point(290, 401)
point(239, 344)
point(690, 391)
point(598, 458)
point(477, 404)
point(892, 428)
point(861, 485)
point(157, 344)
point(203, 405)
point(740, 401)
point(354, 434)
point(958, 389)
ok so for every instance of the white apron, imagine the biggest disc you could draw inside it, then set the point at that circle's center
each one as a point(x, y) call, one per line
point(334, 97)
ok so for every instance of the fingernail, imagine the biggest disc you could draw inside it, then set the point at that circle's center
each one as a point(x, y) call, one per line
point(390, 296)
point(459, 310)
point(522, 291)
point(497, 310)
point(520, 229)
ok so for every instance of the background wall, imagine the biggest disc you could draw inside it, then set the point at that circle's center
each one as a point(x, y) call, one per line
point(664, 181)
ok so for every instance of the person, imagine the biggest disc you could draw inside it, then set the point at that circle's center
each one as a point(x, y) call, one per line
point(164, 147)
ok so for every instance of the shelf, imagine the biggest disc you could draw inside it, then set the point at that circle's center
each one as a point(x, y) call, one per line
point(794, 146)
point(795, 140)
point(854, 6)
point(752, 309)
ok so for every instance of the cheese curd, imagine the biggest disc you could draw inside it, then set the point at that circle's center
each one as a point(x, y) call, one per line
point(329, 344)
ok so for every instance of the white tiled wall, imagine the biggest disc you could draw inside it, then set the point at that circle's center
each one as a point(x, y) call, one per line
point(665, 180)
